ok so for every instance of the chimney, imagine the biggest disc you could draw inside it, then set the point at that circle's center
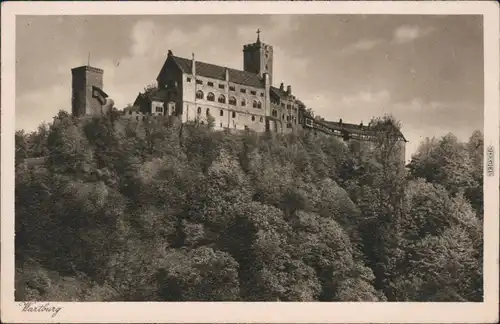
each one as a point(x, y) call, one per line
point(340, 121)
point(193, 65)
point(361, 125)
point(289, 90)
point(169, 53)
point(282, 87)
point(227, 74)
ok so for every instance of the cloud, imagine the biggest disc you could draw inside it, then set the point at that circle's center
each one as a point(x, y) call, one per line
point(361, 45)
point(405, 33)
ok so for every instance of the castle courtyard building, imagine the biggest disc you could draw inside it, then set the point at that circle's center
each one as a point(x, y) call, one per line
point(232, 99)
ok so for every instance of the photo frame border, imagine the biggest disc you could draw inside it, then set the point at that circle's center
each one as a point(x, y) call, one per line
point(257, 312)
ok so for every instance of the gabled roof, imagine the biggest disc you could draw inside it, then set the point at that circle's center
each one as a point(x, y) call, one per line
point(219, 72)
point(279, 93)
point(153, 95)
point(157, 94)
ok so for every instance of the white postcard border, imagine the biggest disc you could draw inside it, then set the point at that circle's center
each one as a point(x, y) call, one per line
point(241, 312)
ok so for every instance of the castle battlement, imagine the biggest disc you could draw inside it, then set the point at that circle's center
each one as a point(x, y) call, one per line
point(85, 68)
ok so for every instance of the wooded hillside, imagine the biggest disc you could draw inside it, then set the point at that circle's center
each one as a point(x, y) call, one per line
point(159, 211)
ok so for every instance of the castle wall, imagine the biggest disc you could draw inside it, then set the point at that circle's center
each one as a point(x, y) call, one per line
point(245, 115)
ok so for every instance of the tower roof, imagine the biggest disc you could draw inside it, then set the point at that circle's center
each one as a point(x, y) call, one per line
point(87, 68)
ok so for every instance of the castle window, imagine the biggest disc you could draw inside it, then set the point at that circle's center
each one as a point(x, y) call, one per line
point(262, 94)
point(199, 82)
point(232, 101)
point(283, 104)
point(274, 113)
point(199, 110)
point(210, 96)
point(283, 116)
point(243, 90)
point(222, 112)
point(243, 103)
point(210, 84)
point(259, 105)
point(188, 79)
point(222, 99)
point(232, 88)
point(255, 104)
point(234, 114)
point(221, 86)
point(253, 118)
point(159, 109)
point(208, 112)
point(130, 112)
point(253, 92)
point(220, 125)
point(266, 67)
point(199, 94)
point(261, 119)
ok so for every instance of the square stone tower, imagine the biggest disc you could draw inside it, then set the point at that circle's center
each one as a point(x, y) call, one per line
point(258, 58)
point(85, 80)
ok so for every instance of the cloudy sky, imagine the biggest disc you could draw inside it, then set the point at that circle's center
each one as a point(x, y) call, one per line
point(425, 70)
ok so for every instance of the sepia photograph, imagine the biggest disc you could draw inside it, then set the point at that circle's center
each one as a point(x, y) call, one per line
point(281, 157)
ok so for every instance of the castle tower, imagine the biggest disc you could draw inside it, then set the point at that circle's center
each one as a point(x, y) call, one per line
point(87, 94)
point(258, 58)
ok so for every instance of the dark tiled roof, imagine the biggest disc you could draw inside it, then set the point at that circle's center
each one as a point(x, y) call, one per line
point(219, 72)
point(279, 93)
point(153, 94)
point(158, 94)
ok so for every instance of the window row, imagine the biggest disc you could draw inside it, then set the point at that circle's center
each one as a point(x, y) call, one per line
point(222, 86)
point(221, 113)
point(274, 113)
point(288, 106)
point(222, 99)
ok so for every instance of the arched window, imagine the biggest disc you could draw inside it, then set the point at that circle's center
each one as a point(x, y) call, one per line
point(199, 94)
point(243, 103)
point(253, 118)
point(232, 101)
point(275, 113)
point(208, 112)
point(234, 114)
point(221, 99)
point(255, 104)
point(210, 96)
point(222, 112)
point(261, 119)
point(199, 110)
point(259, 105)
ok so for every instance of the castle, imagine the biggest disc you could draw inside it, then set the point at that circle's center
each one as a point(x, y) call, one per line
point(200, 92)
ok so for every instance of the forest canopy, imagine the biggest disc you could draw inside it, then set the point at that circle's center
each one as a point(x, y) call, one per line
point(118, 210)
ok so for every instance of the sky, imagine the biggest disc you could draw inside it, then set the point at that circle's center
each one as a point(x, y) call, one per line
point(427, 71)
